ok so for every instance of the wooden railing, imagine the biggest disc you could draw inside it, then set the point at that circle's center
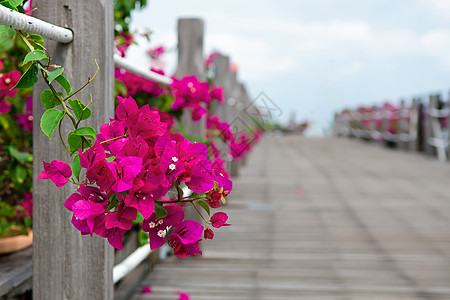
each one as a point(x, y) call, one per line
point(417, 126)
point(67, 265)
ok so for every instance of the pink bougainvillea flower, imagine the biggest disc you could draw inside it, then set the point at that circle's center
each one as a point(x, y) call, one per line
point(57, 171)
point(115, 237)
point(5, 107)
point(156, 52)
point(146, 290)
point(124, 172)
point(210, 60)
point(7, 82)
point(219, 219)
point(92, 155)
point(26, 121)
point(217, 93)
point(183, 295)
point(126, 107)
point(156, 228)
point(27, 204)
point(89, 211)
point(122, 218)
point(198, 113)
point(185, 238)
point(208, 234)
point(201, 180)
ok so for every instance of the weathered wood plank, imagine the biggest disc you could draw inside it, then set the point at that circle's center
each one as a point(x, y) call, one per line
point(190, 62)
point(324, 219)
point(67, 265)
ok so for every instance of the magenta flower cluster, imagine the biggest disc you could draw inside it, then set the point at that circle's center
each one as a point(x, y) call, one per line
point(189, 92)
point(132, 165)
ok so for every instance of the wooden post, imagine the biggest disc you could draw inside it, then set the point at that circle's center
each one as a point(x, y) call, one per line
point(67, 265)
point(221, 78)
point(403, 126)
point(233, 116)
point(448, 128)
point(429, 150)
point(190, 62)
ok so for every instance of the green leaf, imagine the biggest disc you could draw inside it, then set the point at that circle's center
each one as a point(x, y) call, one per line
point(50, 120)
point(36, 40)
point(76, 166)
point(15, 3)
point(64, 83)
point(8, 5)
point(88, 132)
point(75, 138)
point(20, 174)
point(28, 79)
point(6, 33)
point(75, 143)
point(205, 206)
point(113, 202)
point(22, 157)
point(143, 238)
point(81, 111)
point(110, 159)
point(34, 56)
point(52, 75)
point(49, 100)
point(160, 211)
point(139, 218)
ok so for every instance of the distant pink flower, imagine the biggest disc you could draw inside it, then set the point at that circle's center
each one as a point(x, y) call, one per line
point(156, 52)
point(8, 81)
point(5, 107)
point(217, 93)
point(57, 171)
point(26, 121)
point(210, 60)
point(183, 295)
point(27, 204)
point(146, 290)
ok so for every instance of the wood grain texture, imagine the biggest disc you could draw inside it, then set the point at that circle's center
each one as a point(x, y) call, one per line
point(191, 62)
point(324, 219)
point(15, 271)
point(67, 265)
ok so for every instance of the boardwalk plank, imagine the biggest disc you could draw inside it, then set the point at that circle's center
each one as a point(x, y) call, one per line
point(324, 219)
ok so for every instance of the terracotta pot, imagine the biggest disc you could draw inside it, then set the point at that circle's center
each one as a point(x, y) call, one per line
point(13, 240)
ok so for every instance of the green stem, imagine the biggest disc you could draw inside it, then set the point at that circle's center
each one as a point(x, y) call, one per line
point(60, 135)
point(84, 85)
point(193, 204)
point(116, 138)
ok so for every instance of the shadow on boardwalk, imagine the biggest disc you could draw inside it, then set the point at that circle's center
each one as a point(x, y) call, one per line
point(324, 219)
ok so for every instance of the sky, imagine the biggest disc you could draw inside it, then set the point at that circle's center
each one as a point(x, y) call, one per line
point(315, 57)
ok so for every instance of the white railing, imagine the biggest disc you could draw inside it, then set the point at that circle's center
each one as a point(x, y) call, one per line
point(18, 21)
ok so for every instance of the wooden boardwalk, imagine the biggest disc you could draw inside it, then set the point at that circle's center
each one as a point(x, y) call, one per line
point(324, 219)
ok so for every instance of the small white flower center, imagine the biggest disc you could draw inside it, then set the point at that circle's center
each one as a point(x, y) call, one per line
point(221, 174)
point(190, 85)
point(160, 221)
point(172, 167)
point(144, 198)
point(174, 159)
point(7, 80)
point(152, 225)
point(161, 233)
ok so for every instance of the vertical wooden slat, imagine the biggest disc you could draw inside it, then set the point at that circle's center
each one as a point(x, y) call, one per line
point(429, 150)
point(221, 78)
point(67, 265)
point(191, 62)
